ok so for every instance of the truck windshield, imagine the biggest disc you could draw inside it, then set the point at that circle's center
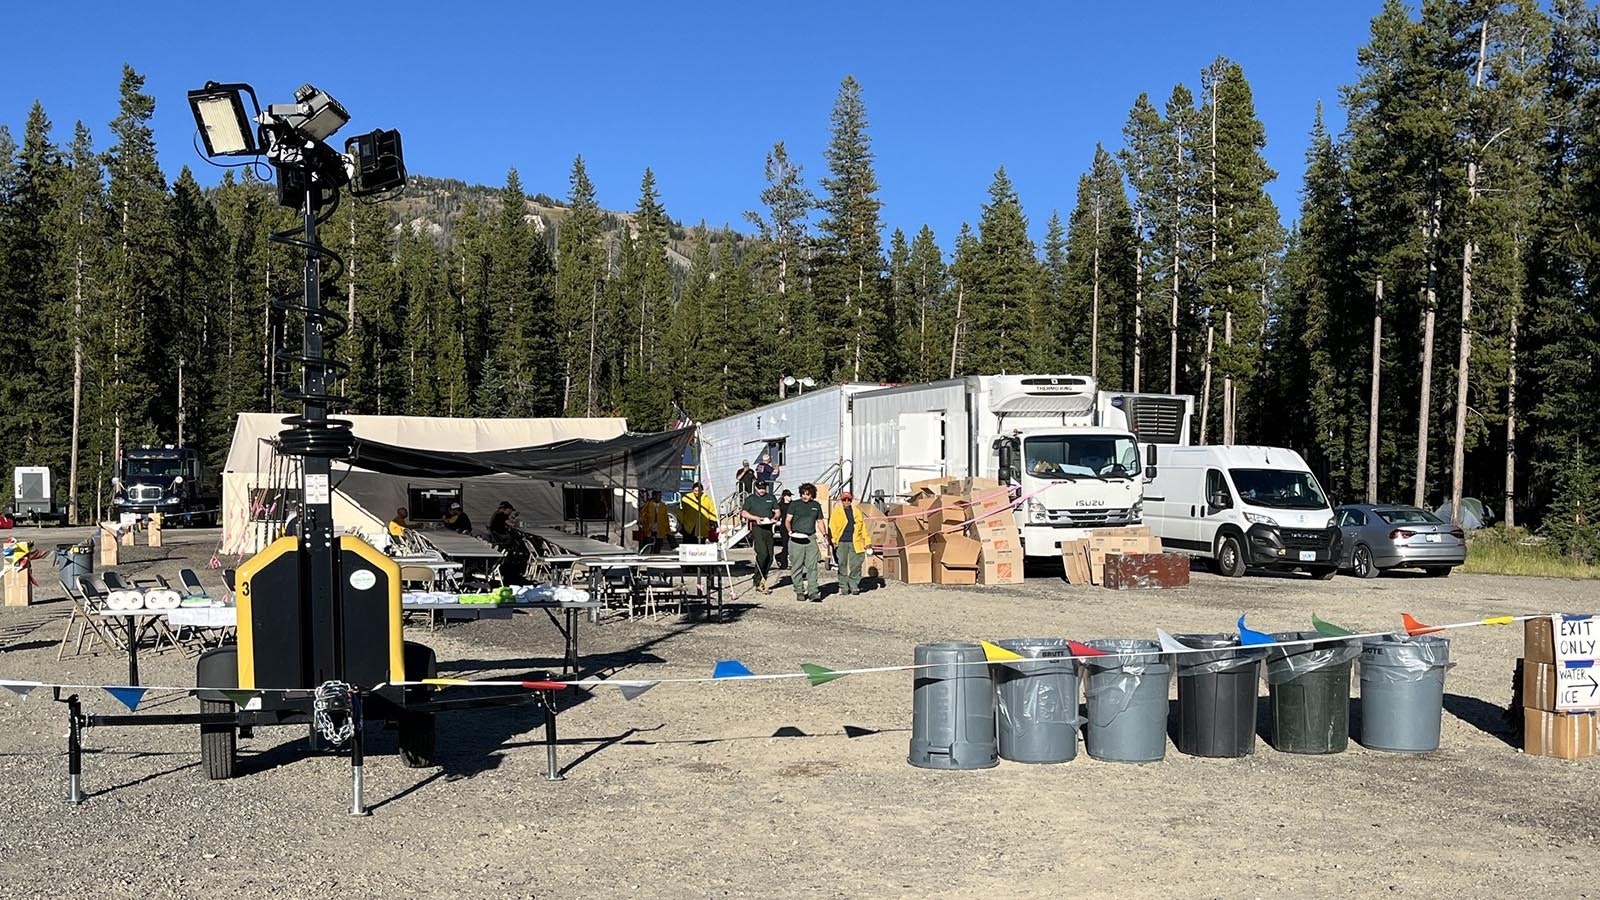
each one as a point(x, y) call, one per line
point(1278, 488)
point(1073, 456)
point(160, 468)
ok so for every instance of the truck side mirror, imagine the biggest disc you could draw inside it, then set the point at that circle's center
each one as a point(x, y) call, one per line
point(1150, 454)
point(1149, 473)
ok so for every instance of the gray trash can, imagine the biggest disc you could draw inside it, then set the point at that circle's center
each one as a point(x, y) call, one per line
point(1036, 702)
point(1126, 696)
point(952, 708)
point(1402, 692)
point(74, 561)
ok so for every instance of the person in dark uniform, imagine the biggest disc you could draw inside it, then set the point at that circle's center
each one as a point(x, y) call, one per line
point(761, 511)
point(781, 530)
point(455, 519)
point(504, 535)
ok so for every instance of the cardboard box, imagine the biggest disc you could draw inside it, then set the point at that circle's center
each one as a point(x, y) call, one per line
point(1539, 640)
point(1000, 572)
point(1075, 561)
point(1145, 571)
point(18, 586)
point(153, 533)
point(955, 559)
point(1011, 544)
point(916, 565)
point(950, 513)
point(1538, 685)
point(107, 538)
point(1560, 735)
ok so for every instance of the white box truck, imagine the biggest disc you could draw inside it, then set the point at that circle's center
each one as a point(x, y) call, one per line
point(1073, 452)
point(1242, 507)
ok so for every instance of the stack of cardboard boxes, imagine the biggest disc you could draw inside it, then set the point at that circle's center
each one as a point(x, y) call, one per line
point(950, 531)
point(1545, 730)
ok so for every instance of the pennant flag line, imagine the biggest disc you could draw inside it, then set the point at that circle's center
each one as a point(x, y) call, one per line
point(546, 685)
point(1170, 644)
point(819, 675)
point(1249, 637)
point(129, 696)
point(240, 699)
point(1328, 629)
point(1415, 628)
point(1499, 620)
point(730, 668)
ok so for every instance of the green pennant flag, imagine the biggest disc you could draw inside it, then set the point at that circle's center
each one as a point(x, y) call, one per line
point(240, 699)
point(1327, 629)
point(818, 675)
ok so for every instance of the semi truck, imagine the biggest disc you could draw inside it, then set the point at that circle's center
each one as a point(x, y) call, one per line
point(1076, 454)
point(167, 480)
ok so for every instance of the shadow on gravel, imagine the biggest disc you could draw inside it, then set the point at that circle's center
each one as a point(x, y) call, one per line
point(1486, 717)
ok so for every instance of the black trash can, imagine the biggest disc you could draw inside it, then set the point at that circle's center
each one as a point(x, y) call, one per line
point(1036, 702)
point(1217, 696)
point(1309, 687)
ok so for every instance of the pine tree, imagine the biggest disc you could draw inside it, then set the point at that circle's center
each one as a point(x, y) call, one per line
point(966, 271)
point(1003, 304)
point(694, 368)
point(848, 284)
point(521, 378)
point(79, 218)
point(187, 386)
point(899, 308)
point(1056, 345)
point(1100, 275)
point(795, 346)
point(580, 285)
point(647, 287)
point(1141, 158)
point(925, 336)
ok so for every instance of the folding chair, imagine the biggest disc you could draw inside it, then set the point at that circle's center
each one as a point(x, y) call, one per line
point(88, 627)
point(190, 585)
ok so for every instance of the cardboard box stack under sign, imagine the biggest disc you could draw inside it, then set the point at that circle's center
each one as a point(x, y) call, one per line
point(1545, 730)
point(986, 517)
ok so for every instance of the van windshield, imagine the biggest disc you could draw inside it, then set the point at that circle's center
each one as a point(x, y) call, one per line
point(1278, 488)
point(1071, 456)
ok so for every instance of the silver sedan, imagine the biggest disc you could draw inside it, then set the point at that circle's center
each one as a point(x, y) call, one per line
point(1398, 537)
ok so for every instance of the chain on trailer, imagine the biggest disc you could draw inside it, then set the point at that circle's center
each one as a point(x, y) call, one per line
point(331, 712)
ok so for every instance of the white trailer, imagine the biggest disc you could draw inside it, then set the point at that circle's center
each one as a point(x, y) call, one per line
point(1072, 451)
point(808, 436)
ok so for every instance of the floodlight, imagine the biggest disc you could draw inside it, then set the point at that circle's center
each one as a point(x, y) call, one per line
point(377, 161)
point(224, 124)
point(788, 381)
point(314, 115)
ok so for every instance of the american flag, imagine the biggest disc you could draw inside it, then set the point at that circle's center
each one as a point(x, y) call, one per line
point(682, 420)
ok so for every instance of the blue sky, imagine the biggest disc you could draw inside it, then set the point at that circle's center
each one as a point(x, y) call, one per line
point(700, 91)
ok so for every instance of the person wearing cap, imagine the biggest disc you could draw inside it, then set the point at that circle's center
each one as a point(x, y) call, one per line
point(805, 533)
point(746, 479)
point(761, 511)
point(455, 519)
point(849, 536)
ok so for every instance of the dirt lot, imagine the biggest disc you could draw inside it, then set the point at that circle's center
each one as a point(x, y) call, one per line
point(779, 789)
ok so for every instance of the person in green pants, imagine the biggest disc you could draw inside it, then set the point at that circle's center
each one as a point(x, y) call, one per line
point(802, 523)
point(761, 511)
point(849, 536)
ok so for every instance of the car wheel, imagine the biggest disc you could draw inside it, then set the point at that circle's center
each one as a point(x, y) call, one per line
point(1230, 557)
point(1438, 571)
point(1361, 562)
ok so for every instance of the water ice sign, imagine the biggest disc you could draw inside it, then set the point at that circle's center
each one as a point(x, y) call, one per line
point(1577, 673)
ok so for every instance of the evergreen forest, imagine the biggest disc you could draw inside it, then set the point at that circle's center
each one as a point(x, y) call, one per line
point(1425, 328)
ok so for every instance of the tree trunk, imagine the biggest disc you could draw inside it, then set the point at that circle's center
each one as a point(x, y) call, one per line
point(1458, 459)
point(1511, 430)
point(1205, 387)
point(1425, 400)
point(1138, 294)
point(1372, 409)
point(1172, 328)
point(955, 330)
point(77, 382)
point(1227, 381)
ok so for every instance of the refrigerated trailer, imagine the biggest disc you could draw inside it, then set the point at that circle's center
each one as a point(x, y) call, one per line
point(1074, 454)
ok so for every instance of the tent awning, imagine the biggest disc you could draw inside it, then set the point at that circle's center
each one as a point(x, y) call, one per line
point(645, 460)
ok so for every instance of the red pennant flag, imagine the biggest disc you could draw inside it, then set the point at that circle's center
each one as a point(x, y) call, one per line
point(545, 685)
point(1084, 649)
point(1415, 628)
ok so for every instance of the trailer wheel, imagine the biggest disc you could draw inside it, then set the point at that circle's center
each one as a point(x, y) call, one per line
point(219, 744)
point(418, 731)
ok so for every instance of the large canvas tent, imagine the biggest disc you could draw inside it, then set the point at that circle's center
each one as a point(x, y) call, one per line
point(526, 461)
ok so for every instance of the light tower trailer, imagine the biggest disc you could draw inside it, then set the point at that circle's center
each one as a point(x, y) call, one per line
point(1075, 455)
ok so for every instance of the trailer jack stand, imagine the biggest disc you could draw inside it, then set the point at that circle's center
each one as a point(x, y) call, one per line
point(552, 770)
point(358, 804)
point(74, 747)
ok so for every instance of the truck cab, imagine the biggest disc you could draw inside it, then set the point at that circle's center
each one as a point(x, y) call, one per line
point(167, 480)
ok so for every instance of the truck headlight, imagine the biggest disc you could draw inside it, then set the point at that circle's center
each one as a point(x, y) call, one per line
point(1138, 508)
point(1333, 522)
point(1035, 511)
point(1259, 519)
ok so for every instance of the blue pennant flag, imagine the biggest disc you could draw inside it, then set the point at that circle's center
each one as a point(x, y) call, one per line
point(1248, 636)
point(729, 668)
point(129, 696)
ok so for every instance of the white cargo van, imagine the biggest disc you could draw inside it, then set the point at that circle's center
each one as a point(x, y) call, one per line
point(1242, 507)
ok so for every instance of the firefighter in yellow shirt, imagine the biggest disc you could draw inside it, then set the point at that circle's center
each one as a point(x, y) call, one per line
point(654, 526)
point(696, 515)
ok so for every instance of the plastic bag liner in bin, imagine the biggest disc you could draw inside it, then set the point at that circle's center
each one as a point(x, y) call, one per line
point(1402, 692)
point(1126, 696)
point(952, 708)
point(1309, 687)
point(1036, 701)
point(1217, 696)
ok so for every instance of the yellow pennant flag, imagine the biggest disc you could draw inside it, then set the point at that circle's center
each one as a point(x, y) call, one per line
point(445, 681)
point(1499, 620)
point(997, 653)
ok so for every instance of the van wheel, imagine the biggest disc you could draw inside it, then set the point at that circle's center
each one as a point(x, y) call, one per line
point(1230, 557)
point(1361, 562)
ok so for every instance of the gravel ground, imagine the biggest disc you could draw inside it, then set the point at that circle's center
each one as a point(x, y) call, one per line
point(779, 789)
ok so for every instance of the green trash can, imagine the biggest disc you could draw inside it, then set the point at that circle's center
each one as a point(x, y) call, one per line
point(1309, 689)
